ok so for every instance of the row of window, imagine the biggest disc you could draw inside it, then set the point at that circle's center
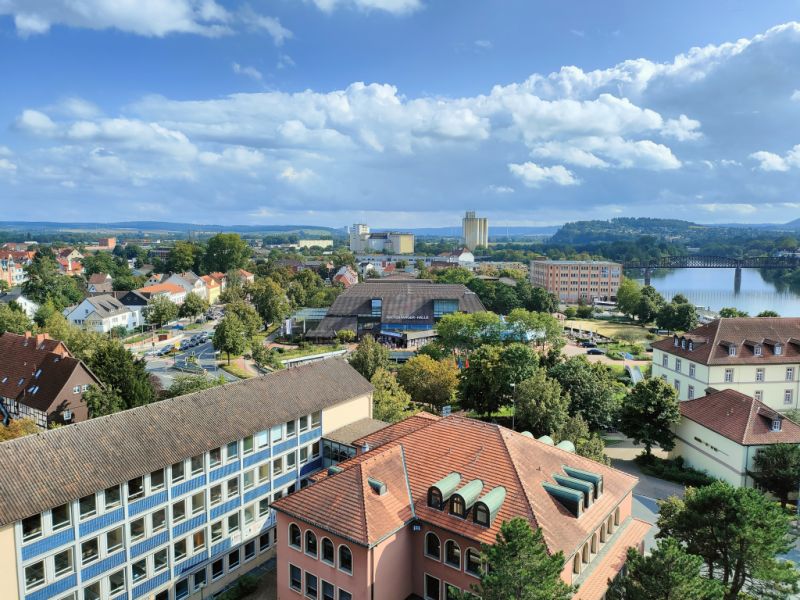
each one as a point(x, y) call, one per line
point(729, 373)
point(325, 550)
point(452, 554)
point(312, 587)
point(435, 589)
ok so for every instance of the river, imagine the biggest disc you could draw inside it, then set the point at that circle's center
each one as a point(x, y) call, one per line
point(714, 289)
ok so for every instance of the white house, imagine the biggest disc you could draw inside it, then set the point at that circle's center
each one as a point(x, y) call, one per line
point(190, 282)
point(102, 314)
point(15, 295)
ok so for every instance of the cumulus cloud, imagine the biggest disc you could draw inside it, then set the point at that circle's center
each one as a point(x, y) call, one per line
point(293, 175)
point(769, 161)
point(532, 175)
point(796, 96)
point(682, 129)
point(738, 208)
point(250, 72)
point(395, 7)
point(36, 122)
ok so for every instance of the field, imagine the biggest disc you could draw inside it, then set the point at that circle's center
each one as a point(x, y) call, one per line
point(612, 329)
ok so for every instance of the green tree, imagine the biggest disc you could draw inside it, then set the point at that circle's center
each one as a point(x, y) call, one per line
point(649, 412)
point(522, 321)
point(102, 401)
point(521, 567)
point(188, 384)
point(118, 369)
point(668, 573)
point(346, 336)
point(768, 313)
point(493, 372)
point(184, 256)
point(776, 468)
point(250, 319)
point(14, 319)
point(628, 296)
point(739, 533)
point(18, 428)
point(592, 389)
point(369, 356)
point(587, 443)
point(103, 262)
point(467, 331)
point(160, 310)
point(45, 282)
point(270, 300)
point(677, 316)
point(429, 381)
point(542, 301)
point(541, 405)
point(729, 312)
point(225, 252)
point(454, 275)
point(230, 335)
point(193, 305)
point(390, 401)
point(650, 303)
point(4, 287)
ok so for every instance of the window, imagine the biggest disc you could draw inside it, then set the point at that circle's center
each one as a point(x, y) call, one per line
point(232, 451)
point(277, 466)
point(290, 428)
point(263, 542)
point(177, 472)
point(31, 527)
point(304, 423)
point(249, 479)
point(433, 546)
point(457, 506)
point(759, 374)
point(328, 591)
point(75, 390)
point(678, 365)
point(690, 393)
point(178, 511)
point(295, 578)
point(327, 551)
point(263, 473)
point(92, 591)
point(692, 369)
point(217, 569)
point(311, 543)
point(60, 517)
point(316, 419)
point(311, 585)
point(135, 488)
point(116, 582)
point(728, 375)
point(778, 350)
point(452, 554)
point(731, 350)
point(233, 524)
point(113, 540)
point(247, 445)
point(90, 551)
point(233, 559)
point(758, 395)
point(181, 589)
point(472, 562)
point(215, 495)
point(678, 386)
point(789, 373)
point(179, 550)
point(198, 502)
point(776, 424)
point(757, 350)
point(303, 455)
point(34, 575)
point(233, 487)
point(291, 461)
point(137, 529)
point(315, 449)
point(263, 507)
point(158, 520)
point(198, 540)
point(294, 536)
point(62, 562)
point(214, 457)
point(87, 506)
point(262, 439)
point(216, 531)
point(249, 550)
point(160, 560)
point(665, 361)
point(156, 480)
point(113, 497)
point(199, 579)
point(345, 559)
point(276, 433)
point(431, 587)
point(249, 514)
point(787, 396)
point(345, 595)
point(481, 515)
point(197, 464)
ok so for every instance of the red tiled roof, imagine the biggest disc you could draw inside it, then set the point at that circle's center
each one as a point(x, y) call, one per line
point(740, 418)
point(477, 450)
point(172, 288)
point(396, 430)
point(711, 341)
point(98, 278)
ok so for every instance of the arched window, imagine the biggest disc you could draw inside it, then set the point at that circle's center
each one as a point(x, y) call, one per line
point(594, 544)
point(328, 553)
point(576, 564)
point(472, 562)
point(433, 547)
point(457, 506)
point(345, 559)
point(294, 535)
point(610, 525)
point(586, 553)
point(481, 514)
point(311, 543)
point(616, 517)
point(452, 554)
point(435, 498)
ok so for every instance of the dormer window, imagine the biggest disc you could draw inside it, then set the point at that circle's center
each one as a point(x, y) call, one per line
point(757, 350)
point(457, 507)
point(683, 344)
point(481, 515)
point(435, 498)
point(675, 341)
point(731, 350)
point(776, 424)
point(778, 349)
point(691, 345)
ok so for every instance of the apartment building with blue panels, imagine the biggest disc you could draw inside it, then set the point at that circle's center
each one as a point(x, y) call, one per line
point(169, 500)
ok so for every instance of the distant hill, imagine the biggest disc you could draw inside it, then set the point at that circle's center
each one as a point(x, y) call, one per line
point(496, 233)
point(624, 228)
point(164, 227)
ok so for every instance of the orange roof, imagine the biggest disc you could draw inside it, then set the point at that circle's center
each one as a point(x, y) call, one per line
point(396, 430)
point(244, 273)
point(740, 418)
point(210, 281)
point(477, 450)
point(159, 288)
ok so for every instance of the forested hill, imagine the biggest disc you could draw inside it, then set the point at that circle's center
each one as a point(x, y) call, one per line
point(623, 228)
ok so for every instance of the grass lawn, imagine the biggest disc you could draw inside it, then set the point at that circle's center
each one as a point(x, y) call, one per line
point(307, 351)
point(607, 328)
point(234, 369)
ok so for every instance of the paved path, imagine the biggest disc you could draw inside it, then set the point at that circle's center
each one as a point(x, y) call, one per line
point(571, 350)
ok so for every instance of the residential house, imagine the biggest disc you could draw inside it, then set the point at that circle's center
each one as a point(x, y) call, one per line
point(759, 357)
point(155, 278)
point(12, 266)
point(220, 278)
point(247, 276)
point(69, 266)
point(41, 380)
point(462, 257)
point(170, 500)
point(69, 254)
point(101, 283)
point(172, 291)
point(16, 246)
point(29, 307)
point(102, 313)
point(722, 432)
point(406, 517)
point(346, 276)
point(190, 282)
point(213, 288)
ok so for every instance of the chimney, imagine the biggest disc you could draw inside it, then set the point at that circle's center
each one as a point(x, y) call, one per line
point(40, 337)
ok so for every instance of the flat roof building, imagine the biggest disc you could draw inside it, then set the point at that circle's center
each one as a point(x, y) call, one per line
point(474, 231)
point(577, 280)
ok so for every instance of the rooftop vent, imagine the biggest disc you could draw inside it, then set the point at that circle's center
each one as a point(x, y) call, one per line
point(440, 492)
point(462, 500)
point(594, 478)
point(566, 445)
point(488, 506)
point(572, 500)
point(333, 470)
point(377, 486)
point(546, 439)
point(527, 434)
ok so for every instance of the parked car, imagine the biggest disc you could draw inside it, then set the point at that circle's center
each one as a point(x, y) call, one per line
point(165, 350)
point(595, 351)
point(588, 345)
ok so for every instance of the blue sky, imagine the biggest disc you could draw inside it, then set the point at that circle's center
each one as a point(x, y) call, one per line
point(399, 112)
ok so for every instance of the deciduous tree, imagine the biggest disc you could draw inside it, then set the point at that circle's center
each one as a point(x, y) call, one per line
point(777, 469)
point(540, 403)
point(102, 401)
point(587, 443)
point(592, 390)
point(18, 428)
point(188, 384)
point(429, 381)
point(193, 305)
point(14, 319)
point(369, 356)
point(225, 252)
point(390, 401)
point(649, 412)
point(160, 310)
point(270, 300)
point(230, 336)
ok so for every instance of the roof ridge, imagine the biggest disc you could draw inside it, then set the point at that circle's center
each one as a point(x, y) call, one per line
point(363, 500)
point(528, 503)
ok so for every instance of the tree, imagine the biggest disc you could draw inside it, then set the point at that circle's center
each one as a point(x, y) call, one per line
point(225, 252)
point(188, 384)
point(521, 567)
point(230, 336)
point(768, 313)
point(680, 316)
point(776, 468)
point(493, 372)
point(193, 305)
point(45, 282)
point(542, 301)
point(467, 331)
point(587, 443)
point(523, 322)
point(13, 319)
point(650, 303)
point(102, 401)
point(390, 401)
point(4, 286)
point(592, 389)
point(184, 256)
point(729, 312)
point(540, 404)
point(369, 356)
point(739, 533)
point(250, 319)
point(18, 428)
point(649, 412)
point(160, 310)
point(628, 296)
point(270, 300)
point(668, 573)
point(429, 381)
point(346, 336)
point(118, 369)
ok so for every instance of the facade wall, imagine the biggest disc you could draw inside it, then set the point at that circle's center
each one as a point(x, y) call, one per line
point(347, 412)
point(446, 574)
point(573, 281)
point(712, 453)
point(9, 587)
point(391, 569)
point(475, 231)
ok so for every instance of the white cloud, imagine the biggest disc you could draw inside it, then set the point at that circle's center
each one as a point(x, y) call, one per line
point(682, 129)
point(5, 151)
point(250, 72)
point(532, 175)
point(395, 7)
point(484, 44)
point(738, 208)
point(796, 95)
point(500, 189)
point(602, 152)
point(77, 107)
point(285, 61)
point(271, 25)
point(7, 165)
point(237, 157)
point(293, 175)
point(36, 122)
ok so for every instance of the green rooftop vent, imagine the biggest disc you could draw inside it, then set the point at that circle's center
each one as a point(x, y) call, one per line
point(462, 500)
point(440, 492)
point(377, 486)
point(594, 478)
point(546, 439)
point(488, 506)
point(566, 445)
point(527, 434)
point(585, 487)
point(334, 470)
point(572, 500)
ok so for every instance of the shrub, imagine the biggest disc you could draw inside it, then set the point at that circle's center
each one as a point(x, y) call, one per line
point(672, 470)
